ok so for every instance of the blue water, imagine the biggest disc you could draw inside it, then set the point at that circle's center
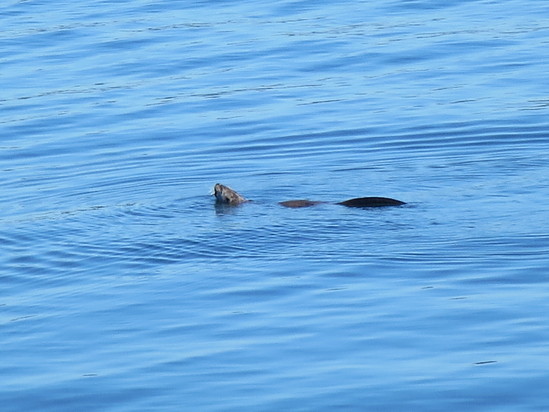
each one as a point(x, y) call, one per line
point(125, 289)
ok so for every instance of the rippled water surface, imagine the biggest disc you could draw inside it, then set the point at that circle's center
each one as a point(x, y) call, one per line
point(126, 289)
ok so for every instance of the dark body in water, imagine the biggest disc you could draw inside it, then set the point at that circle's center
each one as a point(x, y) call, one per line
point(225, 195)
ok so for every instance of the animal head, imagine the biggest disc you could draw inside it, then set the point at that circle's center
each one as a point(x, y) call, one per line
point(225, 194)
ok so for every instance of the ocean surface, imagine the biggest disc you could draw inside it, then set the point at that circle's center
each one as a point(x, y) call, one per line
point(123, 286)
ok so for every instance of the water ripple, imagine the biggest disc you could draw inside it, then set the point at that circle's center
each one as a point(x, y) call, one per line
point(118, 117)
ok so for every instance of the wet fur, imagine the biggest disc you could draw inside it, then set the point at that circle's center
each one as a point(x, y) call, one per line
point(226, 195)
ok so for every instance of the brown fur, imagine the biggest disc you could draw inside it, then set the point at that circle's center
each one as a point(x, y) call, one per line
point(299, 203)
point(224, 194)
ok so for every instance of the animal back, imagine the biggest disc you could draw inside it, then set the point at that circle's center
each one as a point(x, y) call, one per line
point(371, 202)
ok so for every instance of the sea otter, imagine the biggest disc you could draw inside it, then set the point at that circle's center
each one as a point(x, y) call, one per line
point(225, 195)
